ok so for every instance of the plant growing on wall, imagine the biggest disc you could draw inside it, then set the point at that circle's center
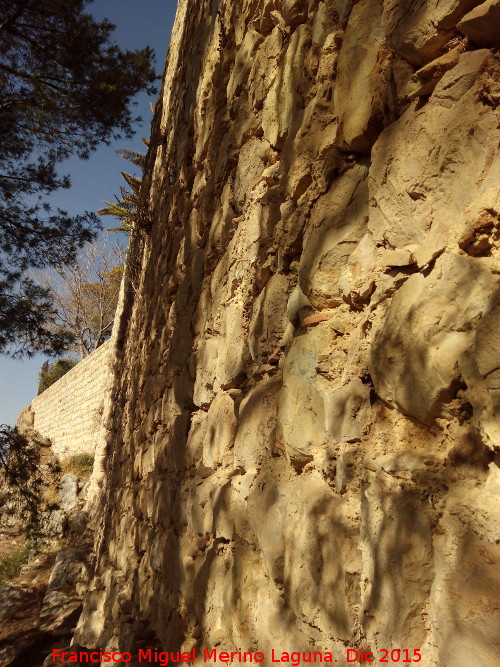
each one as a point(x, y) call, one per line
point(126, 206)
point(11, 565)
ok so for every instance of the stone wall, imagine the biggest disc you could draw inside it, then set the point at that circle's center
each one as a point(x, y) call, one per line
point(69, 412)
point(303, 433)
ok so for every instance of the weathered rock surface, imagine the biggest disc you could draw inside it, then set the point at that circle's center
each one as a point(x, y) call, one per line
point(482, 24)
point(304, 426)
point(22, 639)
point(68, 492)
point(429, 334)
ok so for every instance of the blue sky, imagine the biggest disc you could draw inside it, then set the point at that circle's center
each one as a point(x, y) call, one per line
point(138, 23)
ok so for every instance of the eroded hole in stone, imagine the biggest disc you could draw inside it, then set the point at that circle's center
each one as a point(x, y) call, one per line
point(483, 236)
point(457, 404)
point(366, 379)
point(299, 464)
point(469, 449)
point(483, 243)
point(421, 101)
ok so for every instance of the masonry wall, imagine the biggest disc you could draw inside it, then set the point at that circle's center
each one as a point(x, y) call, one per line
point(69, 412)
point(303, 436)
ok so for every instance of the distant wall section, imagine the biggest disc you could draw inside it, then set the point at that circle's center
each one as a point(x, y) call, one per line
point(69, 412)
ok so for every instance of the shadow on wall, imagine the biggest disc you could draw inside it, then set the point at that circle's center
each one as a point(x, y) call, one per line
point(195, 550)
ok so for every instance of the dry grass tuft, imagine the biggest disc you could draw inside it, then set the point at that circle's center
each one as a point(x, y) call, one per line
point(80, 465)
point(10, 566)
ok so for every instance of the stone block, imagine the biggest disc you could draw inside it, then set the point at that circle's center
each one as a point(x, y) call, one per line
point(481, 25)
point(428, 330)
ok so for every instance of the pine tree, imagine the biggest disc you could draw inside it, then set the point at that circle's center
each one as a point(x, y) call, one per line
point(64, 89)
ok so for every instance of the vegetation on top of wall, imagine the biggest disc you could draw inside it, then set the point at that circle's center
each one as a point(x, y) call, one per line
point(50, 373)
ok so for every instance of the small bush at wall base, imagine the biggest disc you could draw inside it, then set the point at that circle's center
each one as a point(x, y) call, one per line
point(80, 465)
point(50, 374)
point(10, 566)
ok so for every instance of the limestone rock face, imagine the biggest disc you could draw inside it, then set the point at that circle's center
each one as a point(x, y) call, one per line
point(304, 426)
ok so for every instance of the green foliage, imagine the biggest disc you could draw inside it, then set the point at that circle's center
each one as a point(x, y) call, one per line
point(54, 372)
point(10, 566)
point(126, 206)
point(80, 465)
point(20, 472)
point(65, 87)
point(25, 310)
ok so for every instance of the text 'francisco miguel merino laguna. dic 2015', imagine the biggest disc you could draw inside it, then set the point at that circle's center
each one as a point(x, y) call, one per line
point(295, 658)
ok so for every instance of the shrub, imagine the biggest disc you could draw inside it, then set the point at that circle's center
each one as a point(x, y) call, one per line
point(54, 372)
point(10, 566)
point(21, 473)
point(80, 465)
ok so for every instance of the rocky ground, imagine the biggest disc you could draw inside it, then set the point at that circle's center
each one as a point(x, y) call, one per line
point(39, 608)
